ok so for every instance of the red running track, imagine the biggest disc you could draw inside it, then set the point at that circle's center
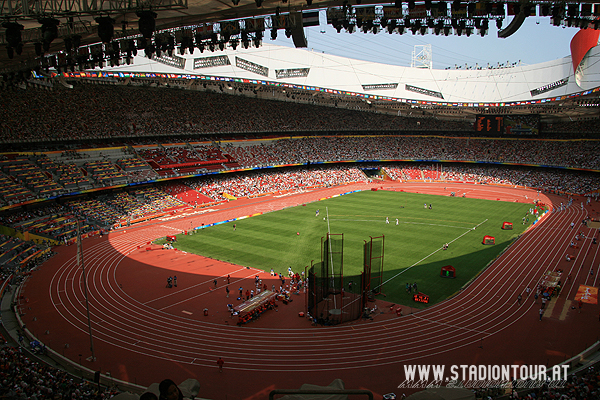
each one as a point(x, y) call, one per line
point(144, 332)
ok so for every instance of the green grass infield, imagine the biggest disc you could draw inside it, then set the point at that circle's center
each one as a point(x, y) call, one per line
point(412, 248)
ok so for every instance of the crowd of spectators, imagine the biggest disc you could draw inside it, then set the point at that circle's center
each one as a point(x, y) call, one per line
point(26, 379)
point(575, 154)
point(117, 111)
point(37, 177)
point(113, 112)
point(258, 183)
point(582, 386)
point(108, 111)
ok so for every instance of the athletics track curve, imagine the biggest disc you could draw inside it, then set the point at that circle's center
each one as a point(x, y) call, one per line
point(143, 336)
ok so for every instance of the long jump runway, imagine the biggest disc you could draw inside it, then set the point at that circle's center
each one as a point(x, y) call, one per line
point(144, 332)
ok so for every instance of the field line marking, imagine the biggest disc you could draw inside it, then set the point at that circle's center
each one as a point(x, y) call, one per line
point(432, 253)
point(401, 222)
point(450, 325)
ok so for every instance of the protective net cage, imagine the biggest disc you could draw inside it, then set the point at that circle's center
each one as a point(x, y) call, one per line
point(332, 297)
point(374, 252)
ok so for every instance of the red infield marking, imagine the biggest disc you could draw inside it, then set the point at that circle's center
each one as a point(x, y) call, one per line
point(137, 342)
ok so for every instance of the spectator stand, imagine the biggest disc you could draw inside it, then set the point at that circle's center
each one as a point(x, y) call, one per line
point(105, 173)
point(49, 374)
point(186, 193)
point(137, 170)
point(11, 191)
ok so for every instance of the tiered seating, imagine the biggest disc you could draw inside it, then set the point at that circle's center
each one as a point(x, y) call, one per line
point(182, 155)
point(395, 173)
point(95, 210)
point(210, 153)
point(132, 164)
point(29, 175)
point(60, 227)
point(156, 155)
point(413, 173)
point(105, 172)
point(274, 181)
point(186, 194)
point(71, 177)
point(12, 192)
point(137, 169)
point(159, 200)
point(429, 173)
point(13, 251)
point(252, 155)
point(129, 205)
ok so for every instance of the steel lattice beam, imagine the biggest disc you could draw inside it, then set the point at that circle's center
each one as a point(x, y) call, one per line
point(33, 9)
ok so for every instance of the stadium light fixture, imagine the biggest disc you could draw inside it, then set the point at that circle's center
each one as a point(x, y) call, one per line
point(170, 45)
point(158, 43)
point(391, 26)
point(147, 23)
point(499, 9)
point(149, 50)
point(13, 37)
point(471, 9)
point(106, 29)
point(442, 8)
point(545, 10)
point(456, 5)
point(49, 31)
point(38, 49)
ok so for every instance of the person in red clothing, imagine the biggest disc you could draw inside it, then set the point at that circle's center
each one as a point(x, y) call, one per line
point(220, 363)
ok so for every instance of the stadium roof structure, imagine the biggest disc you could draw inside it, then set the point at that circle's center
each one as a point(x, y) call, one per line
point(556, 87)
point(285, 66)
point(41, 27)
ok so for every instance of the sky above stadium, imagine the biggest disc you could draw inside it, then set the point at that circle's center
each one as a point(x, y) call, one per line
point(535, 42)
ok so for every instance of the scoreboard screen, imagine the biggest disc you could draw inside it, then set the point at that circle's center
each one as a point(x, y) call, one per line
point(489, 124)
point(522, 124)
point(528, 124)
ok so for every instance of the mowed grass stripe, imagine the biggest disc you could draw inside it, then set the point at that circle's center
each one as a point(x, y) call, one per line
point(270, 240)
